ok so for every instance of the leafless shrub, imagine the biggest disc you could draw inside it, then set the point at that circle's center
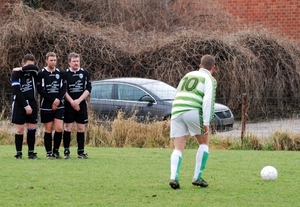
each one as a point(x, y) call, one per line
point(286, 141)
point(256, 62)
point(145, 15)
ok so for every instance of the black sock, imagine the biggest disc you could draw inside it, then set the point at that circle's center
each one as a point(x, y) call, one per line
point(48, 142)
point(31, 140)
point(67, 139)
point(80, 142)
point(19, 142)
point(57, 140)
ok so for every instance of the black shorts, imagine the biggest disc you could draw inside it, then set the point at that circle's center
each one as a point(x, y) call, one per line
point(19, 115)
point(71, 115)
point(50, 115)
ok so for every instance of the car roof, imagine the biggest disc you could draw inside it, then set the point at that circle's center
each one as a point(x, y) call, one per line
point(132, 80)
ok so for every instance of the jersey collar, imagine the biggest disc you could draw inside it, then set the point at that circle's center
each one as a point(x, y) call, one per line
point(74, 71)
point(46, 68)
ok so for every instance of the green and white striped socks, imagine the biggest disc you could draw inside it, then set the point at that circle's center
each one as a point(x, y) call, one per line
point(176, 158)
point(201, 159)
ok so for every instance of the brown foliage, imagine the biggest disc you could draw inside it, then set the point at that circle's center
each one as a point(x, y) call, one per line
point(286, 141)
point(144, 15)
point(161, 41)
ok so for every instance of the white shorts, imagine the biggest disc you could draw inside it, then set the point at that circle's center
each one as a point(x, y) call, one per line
point(186, 123)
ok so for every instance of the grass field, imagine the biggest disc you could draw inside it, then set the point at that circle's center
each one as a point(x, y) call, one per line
point(139, 177)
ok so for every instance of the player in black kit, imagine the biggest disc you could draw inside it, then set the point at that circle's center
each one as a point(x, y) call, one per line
point(78, 89)
point(52, 88)
point(24, 106)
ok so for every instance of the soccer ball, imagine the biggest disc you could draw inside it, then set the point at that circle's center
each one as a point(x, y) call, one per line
point(268, 173)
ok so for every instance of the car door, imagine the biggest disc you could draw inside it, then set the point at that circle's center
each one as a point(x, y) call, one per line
point(101, 100)
point(130, 102)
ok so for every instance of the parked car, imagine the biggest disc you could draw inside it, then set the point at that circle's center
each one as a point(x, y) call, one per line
point(146, 98)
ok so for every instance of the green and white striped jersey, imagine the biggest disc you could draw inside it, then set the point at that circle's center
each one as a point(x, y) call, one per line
point(196, 90)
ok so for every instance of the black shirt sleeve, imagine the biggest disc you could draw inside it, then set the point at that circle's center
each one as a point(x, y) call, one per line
point(30, 68)
point(63, 89)
point(19, 96)
point(88, 82)
point(41, 89)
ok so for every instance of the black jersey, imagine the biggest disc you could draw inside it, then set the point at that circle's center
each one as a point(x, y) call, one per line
point(51, 86)
point(24, 85)
point(77, 82)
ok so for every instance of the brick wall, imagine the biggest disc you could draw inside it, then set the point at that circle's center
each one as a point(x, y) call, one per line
point(282, 15)
point(6, 8)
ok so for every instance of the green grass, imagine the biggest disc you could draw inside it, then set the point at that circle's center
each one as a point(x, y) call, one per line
point(139, 177)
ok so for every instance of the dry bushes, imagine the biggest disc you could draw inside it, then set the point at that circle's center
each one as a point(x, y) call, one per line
point(131, 14)
point(145, 15)
point(285, 141)
point(268, 74)
point(30, 31)
point(136, 39)
point(129, 133)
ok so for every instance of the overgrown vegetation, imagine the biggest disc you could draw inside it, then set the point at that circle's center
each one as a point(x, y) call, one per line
point(161, 40)
point(127, 133)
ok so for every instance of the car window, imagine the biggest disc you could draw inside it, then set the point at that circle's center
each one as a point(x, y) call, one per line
point(131, 93)
point(162, 90)
point(102, 91)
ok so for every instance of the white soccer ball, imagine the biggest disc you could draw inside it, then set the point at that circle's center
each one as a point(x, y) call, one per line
point(268, 173)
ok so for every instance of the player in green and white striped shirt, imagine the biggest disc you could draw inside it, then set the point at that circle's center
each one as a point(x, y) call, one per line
point(192, 112)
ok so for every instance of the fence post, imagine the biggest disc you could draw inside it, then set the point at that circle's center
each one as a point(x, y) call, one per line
point(244, 115)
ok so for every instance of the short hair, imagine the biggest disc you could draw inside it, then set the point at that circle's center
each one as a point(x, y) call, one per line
point(208, 61)
point(28, 57)
point(73, 55)
point(50, 54)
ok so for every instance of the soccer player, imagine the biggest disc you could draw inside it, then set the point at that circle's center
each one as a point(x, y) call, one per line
point(52, 89)
point(24, 106)
point(78, 89)
point(192, 112)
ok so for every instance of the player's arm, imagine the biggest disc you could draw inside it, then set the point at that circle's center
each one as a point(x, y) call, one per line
point(83, 96)
point(19, 95)
point(67, 95)
point(208, 101)
point(88, 89)
point(68, 98)
point(20, 98)
point(74, 104)
point(15, 83)
point(41, 88)
point(61, 95)
point(62, 90)
point(28, 68)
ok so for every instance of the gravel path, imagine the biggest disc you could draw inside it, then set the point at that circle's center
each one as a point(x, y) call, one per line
point(264, 129)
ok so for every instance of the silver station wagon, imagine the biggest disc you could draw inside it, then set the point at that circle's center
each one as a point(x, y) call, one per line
point(147, 99)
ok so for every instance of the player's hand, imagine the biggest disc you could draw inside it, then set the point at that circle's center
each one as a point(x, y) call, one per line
point(28, 109)
point(75, 105)
point(54, 106)
point(77, 108)
point(206, 129)
point(17, 69)
point(56, 102)
point(77, 101)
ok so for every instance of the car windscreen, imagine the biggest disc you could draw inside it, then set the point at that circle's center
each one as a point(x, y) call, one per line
point(162, 90)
